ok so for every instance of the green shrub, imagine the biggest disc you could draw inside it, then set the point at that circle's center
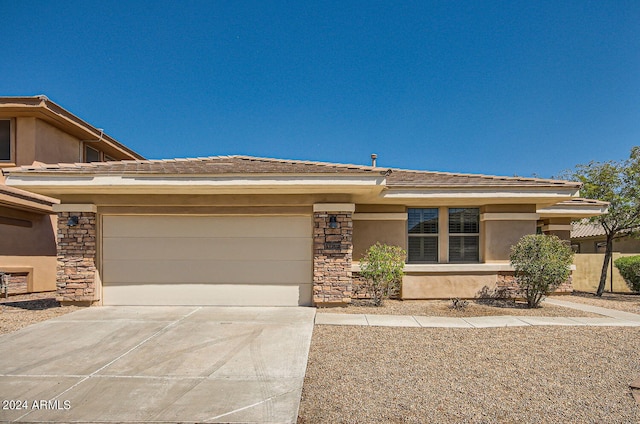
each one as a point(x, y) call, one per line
point(541, 264)
point(629, 267)
point(382, 269)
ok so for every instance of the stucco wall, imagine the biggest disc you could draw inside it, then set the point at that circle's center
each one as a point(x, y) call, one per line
point(55, 146)
point(499, 236)
point(624, 245)
point(586, 277)
point(30, 247)
point(446, 286)
point(367, 233)
point(36, 140)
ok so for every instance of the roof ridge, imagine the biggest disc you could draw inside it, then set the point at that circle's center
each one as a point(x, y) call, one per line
point(309, 162)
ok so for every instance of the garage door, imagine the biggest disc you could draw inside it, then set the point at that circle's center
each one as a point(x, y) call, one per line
point(206, 260)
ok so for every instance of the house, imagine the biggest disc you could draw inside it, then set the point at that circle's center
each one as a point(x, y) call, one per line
point(588, 237)
point(34, 130)
point(240, 230)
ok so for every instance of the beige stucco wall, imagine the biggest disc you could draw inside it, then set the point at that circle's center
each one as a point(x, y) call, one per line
point(586, 277)
point(55, 146)
point(499, 236)
point(33, 247)
point(446, 286)
point(624, 245)
point(367, 233)
point(36, 140)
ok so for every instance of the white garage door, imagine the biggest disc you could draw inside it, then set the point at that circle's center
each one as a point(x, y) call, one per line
point(206, 260)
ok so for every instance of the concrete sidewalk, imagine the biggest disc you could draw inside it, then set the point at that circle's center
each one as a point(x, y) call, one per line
point(610, 318)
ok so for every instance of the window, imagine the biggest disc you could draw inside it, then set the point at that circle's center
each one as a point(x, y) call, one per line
point(423, 235)
point(464, 234)
point(5, 140)
point(91, 154)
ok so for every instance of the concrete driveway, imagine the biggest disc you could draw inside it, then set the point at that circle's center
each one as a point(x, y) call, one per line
point(157, 364)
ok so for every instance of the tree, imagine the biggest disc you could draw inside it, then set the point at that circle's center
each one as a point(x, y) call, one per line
point(616, 182)
point(382, 268)
point(541, 264)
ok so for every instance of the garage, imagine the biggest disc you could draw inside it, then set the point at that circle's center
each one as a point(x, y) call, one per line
point(206, 260)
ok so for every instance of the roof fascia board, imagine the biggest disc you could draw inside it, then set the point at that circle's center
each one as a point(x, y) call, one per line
point(572, 212)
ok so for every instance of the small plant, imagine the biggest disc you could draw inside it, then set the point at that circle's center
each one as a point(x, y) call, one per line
point(382, 269)
point(629, 267)
point(458, 304)
point(541, 264)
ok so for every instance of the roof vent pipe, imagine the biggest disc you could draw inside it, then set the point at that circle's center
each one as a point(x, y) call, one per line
point(373, 159)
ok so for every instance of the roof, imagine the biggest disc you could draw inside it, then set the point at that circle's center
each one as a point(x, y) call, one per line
point(24, 200)
point(41, 107)
point(237, 164)
point(584, 228)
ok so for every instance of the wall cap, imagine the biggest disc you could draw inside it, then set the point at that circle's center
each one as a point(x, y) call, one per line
point(334, 207)
point(75, 207)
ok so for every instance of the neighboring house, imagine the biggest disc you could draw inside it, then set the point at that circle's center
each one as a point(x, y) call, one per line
point(239, 230)
point(589, 237)
point(34, 130)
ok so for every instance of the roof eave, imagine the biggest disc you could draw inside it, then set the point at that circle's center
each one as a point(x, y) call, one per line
point(52, 113)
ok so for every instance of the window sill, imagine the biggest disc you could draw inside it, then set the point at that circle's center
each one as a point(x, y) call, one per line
point(448, 268)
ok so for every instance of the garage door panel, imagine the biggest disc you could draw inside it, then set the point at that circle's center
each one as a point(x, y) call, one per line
point(206, 260)
point(190, 271)
point(205, 226)
point(211, 295)
point(207, 248)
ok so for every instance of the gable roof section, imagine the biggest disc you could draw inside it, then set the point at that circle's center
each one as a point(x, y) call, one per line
point(43, 108)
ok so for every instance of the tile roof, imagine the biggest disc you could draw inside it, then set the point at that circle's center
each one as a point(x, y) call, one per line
point(237, 164)
point(584, 228)
point(581, 201)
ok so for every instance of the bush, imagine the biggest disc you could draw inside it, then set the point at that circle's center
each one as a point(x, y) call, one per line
point(629, 267)
point(382, 269)
point(541, 264)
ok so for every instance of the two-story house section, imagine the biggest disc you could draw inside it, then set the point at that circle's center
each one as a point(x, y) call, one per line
point(35, 130)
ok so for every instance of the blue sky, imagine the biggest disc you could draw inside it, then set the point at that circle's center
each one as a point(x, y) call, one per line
point(513, 87)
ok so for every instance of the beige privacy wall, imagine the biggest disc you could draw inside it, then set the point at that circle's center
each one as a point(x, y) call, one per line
point(586, 277)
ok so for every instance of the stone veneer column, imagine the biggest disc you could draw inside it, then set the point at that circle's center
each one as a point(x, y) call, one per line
point(76, 273)
point(332, 253)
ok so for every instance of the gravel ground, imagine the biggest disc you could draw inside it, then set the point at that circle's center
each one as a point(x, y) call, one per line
point(20, 311)
point(442, 308)
point(622, 302)
point(498, 375)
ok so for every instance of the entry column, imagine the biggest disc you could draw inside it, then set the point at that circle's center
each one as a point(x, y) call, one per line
point(332, 253)
point(77, 280)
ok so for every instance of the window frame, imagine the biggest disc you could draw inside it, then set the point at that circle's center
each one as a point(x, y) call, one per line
point(12, 142)
point(84, 152)
point(462, 234)
point(423, 235)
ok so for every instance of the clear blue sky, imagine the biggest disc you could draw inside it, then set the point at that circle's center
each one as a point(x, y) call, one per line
point(498, 87)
